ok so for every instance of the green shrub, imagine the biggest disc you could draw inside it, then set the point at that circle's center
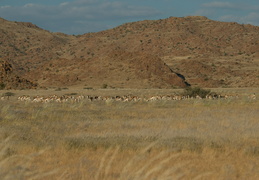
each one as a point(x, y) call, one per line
point(8, 94)
point(71, 94)
point(88, 88)
point(104, 86)
point(196, 91)
point(2, 86)
point(58, 89)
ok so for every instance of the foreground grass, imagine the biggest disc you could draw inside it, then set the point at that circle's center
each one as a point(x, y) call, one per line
point(192, 139)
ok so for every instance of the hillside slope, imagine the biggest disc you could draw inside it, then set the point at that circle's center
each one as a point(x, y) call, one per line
point(145, 54)
point(9, 79)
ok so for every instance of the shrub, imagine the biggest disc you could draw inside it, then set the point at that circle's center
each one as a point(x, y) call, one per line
point(8, 94)
point(58, 89)
point(196, 91)
point(71, 94)
point(2, 86)
point(104, 86)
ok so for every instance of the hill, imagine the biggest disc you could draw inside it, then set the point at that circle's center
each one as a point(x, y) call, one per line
point(9, 80)
point(165, 53)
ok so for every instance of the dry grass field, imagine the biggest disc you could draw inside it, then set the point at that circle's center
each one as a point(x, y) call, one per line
point(187, 139)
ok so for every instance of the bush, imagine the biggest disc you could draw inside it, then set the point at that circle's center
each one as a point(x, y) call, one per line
point(196, 91)
point(104, 86)
point(8, 94)
point(58, 89)
point(2, 86)
point(71, 94)
point(87, 88)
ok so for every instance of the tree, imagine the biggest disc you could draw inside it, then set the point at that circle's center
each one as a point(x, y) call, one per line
point(8, 94)
point(196, 91)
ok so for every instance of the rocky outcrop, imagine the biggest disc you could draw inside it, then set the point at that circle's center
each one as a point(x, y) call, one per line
point(9, 80)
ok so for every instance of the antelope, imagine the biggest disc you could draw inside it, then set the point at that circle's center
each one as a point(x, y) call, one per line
point(252, 96)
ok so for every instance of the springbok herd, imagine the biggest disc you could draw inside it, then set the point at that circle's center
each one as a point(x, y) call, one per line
point(125, 98)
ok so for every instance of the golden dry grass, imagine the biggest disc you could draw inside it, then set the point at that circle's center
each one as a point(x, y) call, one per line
point(189, 139)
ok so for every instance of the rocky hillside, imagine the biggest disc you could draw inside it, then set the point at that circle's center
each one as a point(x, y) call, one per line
point(9, 80)
point(163, 53)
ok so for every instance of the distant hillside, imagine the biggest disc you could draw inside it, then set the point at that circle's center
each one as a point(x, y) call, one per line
point(163, 53)
point(9, 80)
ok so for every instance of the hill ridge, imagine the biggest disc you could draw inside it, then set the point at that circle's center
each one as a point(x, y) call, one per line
point(207, 53)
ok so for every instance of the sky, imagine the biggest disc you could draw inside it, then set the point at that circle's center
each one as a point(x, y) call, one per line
point(83, 16)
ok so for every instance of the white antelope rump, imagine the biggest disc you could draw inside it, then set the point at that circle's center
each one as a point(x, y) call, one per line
point(252, 96)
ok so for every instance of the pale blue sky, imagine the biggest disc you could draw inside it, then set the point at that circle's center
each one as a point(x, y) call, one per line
point(82, 16)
